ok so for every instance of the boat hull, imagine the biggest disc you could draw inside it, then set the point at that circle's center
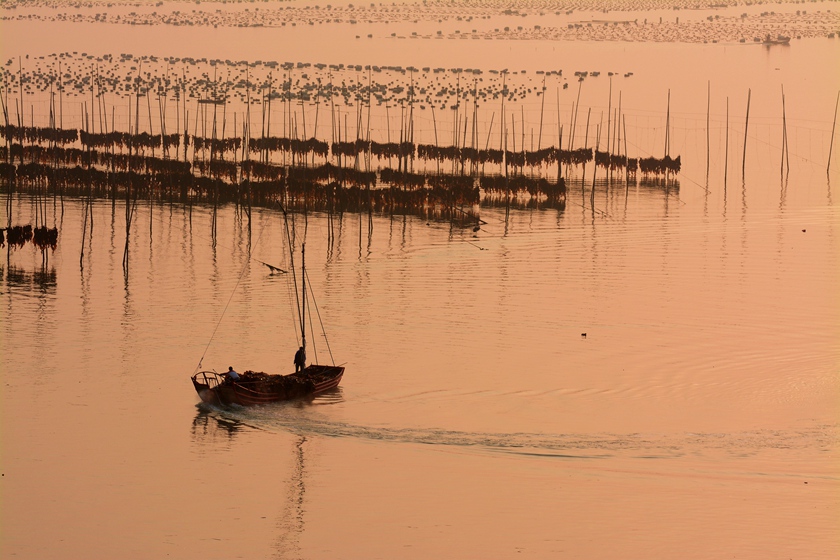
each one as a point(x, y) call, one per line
point(255, 388)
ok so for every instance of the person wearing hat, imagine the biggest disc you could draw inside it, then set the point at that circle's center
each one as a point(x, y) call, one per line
point(231, 374)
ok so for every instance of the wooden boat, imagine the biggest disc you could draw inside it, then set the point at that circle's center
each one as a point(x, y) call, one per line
point(254, 388)
point(780, 40)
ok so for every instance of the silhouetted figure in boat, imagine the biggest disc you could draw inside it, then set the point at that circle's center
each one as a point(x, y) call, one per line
point(231, 374)
point(300, 360)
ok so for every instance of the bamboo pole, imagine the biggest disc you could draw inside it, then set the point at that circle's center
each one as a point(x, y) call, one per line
point(575, 108)
point(149, 108)
point(368, 144)
point(489, 132)
point(268, 115)
point(708, 117)
point(595, 164)
point(785, 151)
point(61, 97)
point(198, 116)
point(503, 128)
point(542, 110)
point(573, 124)
point(317, 110)
point(609, 122)
point(411, 121)
point(560, 138)
point(246, 128)
point(626, 166)
point(513, 130)
point(615, 146)
point(464, 141)
point(186, 111)
point(20, 111)
point(522, 170)
point(87, 206)
point(434, 124)
point(726, 153)
point(586, 144)
point(337, 122)
point(833, 125)
point(457, 108)
point(504, 160)
point(475, 139)
point(303, 118)
point(746, 128)
point(264, 108)
point(668, 125)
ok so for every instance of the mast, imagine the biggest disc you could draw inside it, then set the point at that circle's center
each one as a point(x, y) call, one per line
point(303, 296)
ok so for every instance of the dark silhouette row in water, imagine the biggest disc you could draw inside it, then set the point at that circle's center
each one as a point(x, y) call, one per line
point(314, 147)
point(226, 181)
point(648, 166)
point(17, 236)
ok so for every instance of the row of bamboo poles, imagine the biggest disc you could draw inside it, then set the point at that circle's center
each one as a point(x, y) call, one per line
point(296, 146)
point(293, 168)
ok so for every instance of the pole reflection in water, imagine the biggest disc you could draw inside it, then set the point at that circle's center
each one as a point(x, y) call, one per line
point(38, 282)
point(213, 430)
point(291, 523)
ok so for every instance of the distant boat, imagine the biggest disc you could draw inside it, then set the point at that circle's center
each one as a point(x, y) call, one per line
point(780, 40)
point(253, 388)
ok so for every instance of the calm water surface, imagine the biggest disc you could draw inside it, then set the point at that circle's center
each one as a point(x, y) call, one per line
point(474, 415)
point(696, 419)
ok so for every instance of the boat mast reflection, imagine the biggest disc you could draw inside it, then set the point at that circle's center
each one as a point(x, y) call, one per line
point(291, 522)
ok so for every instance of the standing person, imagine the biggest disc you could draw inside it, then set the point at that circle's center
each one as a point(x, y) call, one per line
point(300, 359)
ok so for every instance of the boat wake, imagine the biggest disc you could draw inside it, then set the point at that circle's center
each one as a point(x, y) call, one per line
point(299, 419)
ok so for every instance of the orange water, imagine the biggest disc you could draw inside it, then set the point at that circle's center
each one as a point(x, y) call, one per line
point(696, 419)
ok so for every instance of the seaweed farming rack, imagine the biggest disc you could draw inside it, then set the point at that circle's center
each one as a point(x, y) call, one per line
point(315, 173)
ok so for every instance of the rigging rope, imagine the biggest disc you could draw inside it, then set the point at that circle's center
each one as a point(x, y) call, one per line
point(238, 280)
point(292, 267)
point(311, 324)
point(318, 312)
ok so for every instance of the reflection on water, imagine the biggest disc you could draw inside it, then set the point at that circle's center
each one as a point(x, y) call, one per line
point(214, 428)
point(711, 348)
point(473, 419)
point(39, 281)
point(209, 428)
point(292, 523)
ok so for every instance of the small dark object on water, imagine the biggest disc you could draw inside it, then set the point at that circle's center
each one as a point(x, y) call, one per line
point(476, 228)
point(803, 231)
point(17, 236)
point(43, 237)
point(583, 335)
point(273, 268)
